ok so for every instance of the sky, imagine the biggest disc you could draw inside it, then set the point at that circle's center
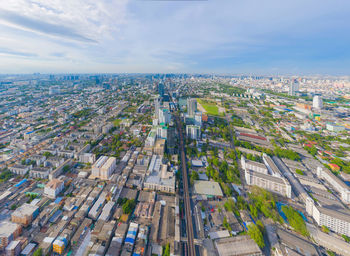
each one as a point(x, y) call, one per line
point(268, 37)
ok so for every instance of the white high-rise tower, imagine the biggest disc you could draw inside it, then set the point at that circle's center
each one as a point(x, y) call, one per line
point(317, 102)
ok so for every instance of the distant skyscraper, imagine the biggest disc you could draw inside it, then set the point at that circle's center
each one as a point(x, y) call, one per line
point(317, 102)
point(191, 106)
point(161, 89)
point(293, 88)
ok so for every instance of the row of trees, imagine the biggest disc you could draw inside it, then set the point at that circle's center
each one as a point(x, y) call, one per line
point(256, 233)
point(278, 151)
point(248, 156)
point(222, 172)
point(295, 220)
point(262, 201)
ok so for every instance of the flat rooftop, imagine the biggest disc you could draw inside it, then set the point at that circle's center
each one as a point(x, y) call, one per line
point(210, 188)
point(243, 246)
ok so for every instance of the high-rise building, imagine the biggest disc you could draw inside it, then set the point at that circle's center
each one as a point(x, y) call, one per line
point(193, 132)
point(171, 142)
point(191, 106)
point(266, 176)
point(337, 220)
point(156, 106)
point(161, 89)
point(104, 167)
point(317, 102)
point(198, 119)
point(293, 88)
point(164, 116)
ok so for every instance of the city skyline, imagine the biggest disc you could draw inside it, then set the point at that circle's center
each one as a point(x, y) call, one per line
point(232, 37)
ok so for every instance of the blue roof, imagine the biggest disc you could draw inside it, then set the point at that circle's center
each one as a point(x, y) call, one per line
point(55, 216)
point(58, 200)
point(20, 183)
point(129, 240)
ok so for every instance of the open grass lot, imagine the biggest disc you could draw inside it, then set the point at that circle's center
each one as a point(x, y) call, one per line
point(210, 108)
point(117, 122)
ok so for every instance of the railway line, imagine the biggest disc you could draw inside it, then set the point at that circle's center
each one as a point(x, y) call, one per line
point(186, 195)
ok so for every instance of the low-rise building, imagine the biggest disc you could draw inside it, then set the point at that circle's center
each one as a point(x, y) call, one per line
point(25, 214)
point(8, 232)
point(237, 246)
point(159, 178)
point(19, 169)
point(14, 248)
point(269, 178)
point(336, 183)
point(207, 188)
point(53, 188)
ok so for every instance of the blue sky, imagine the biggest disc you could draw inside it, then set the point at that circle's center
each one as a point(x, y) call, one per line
point(213, 36)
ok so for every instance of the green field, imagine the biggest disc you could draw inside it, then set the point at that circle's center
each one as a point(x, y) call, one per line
point(117, 122)
point(211, 108)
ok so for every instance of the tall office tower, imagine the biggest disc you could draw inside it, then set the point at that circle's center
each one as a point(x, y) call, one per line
point(191, 106)
point(292, 89)
point(198, 119)
point(164, 116)
point(317, 102)
point(156, 107)
point(193, 132)
point(171, 141)
point(161, 89)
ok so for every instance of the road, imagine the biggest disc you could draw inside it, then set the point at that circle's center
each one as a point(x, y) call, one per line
point(186, 194)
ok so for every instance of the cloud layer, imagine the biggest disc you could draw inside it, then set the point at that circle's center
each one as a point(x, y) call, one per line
point(228, 36)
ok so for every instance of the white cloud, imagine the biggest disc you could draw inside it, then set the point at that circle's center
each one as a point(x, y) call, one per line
point(65, 18)
point(154, 36)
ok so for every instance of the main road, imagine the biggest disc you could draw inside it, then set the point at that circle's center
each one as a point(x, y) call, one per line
point(186, 194)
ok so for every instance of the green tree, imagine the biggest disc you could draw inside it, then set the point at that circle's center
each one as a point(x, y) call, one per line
point(346, 238)
point(325, 229)
point(66, 168)
point(194, 176)
point(129, 206)
point(229, 205)
point(300, 172)
point(255, 234)
point(166, 250)
point(253, 211)
point(47, 154)
point(330, 253)
point(295, 220)
point(38, 252)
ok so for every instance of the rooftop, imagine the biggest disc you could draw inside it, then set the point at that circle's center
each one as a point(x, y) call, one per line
point(243, 246)
point(25, 209)
point(210, 188)
point(54, 184)
point(7, 228)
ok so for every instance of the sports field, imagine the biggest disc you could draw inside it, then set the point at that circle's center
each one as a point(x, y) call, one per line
point(209, 107)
